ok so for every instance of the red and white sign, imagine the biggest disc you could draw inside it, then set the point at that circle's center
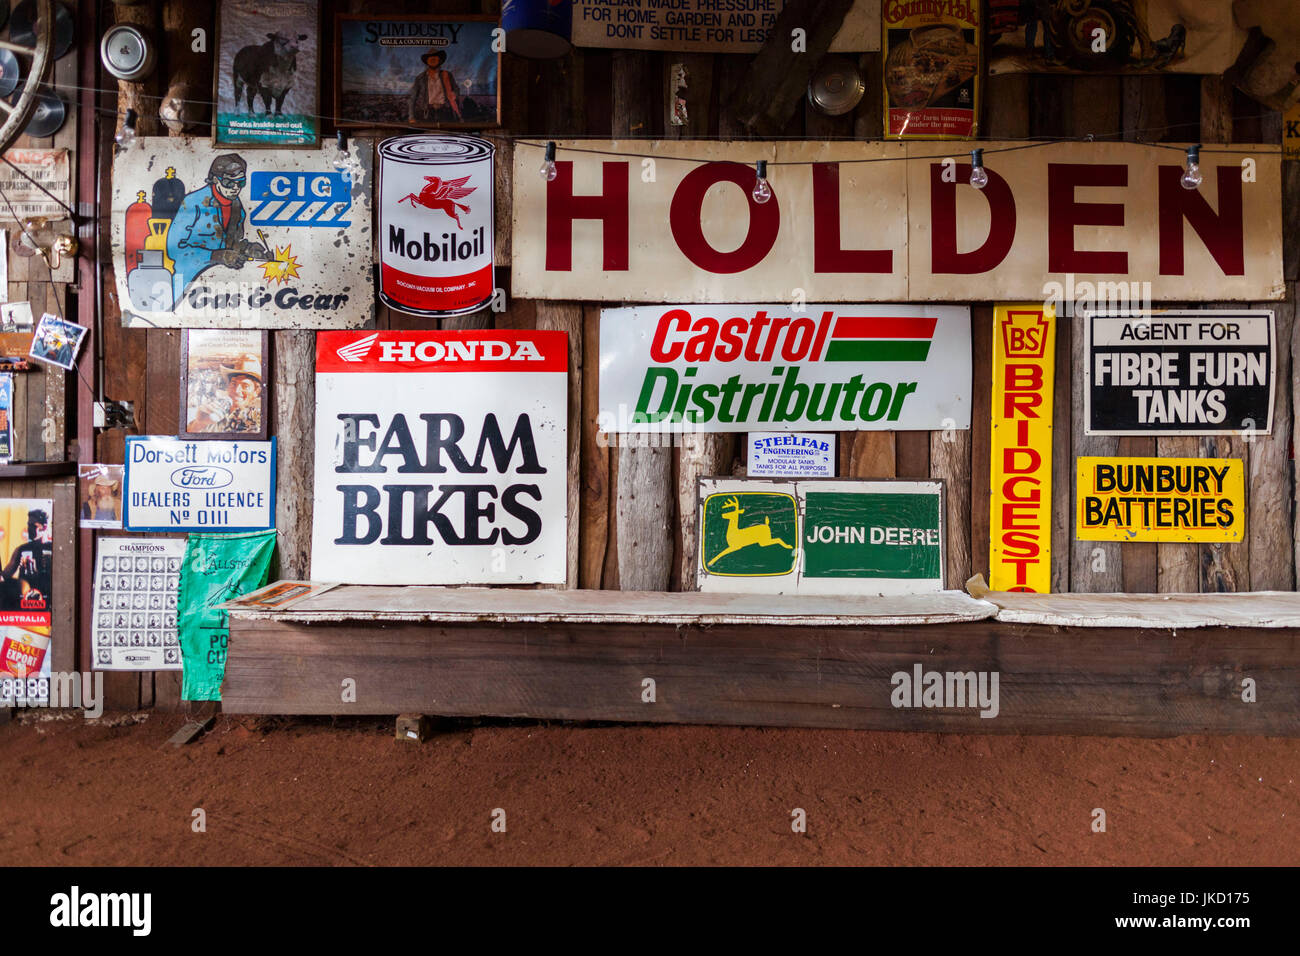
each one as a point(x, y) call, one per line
point(456, 473)
point(1109, 222)
point(435, 224)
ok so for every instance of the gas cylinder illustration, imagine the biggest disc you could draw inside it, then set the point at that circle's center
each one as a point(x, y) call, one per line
point(167, 195)
point(138, 215)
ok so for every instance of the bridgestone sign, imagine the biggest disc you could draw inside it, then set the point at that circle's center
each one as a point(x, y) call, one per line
point(724, 368)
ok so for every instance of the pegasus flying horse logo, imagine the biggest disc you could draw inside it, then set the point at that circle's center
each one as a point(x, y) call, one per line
point(358, 350)
point(442, 194)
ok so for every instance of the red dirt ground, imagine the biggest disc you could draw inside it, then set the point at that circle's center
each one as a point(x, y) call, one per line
point(316, 792)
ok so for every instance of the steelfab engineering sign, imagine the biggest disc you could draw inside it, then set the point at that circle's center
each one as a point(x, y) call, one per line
point(721, 368)
point(441, 457)
point(1161, 499)
point(1020, 499)
point(821, 536)
point(1179, 373)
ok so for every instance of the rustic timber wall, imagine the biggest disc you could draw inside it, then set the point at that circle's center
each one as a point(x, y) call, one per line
point(632, 508)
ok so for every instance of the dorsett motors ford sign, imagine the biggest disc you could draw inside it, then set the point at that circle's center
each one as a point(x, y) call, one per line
point(676, 221)
point(725, 368)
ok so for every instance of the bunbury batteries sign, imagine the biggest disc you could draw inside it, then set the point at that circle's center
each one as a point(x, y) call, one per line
point(728, 368)
point(441, 457)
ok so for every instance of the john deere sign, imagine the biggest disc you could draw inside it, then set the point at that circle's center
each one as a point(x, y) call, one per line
point(821, 537)
point(740, 368)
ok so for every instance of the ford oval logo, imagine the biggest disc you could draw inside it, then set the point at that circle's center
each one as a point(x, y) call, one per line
point(202, 476)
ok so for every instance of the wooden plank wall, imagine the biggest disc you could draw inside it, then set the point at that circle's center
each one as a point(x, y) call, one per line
point(631, 508)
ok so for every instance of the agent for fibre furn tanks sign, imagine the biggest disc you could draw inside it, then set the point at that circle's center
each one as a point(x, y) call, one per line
point(441, 457)
point(1180, 373)
point(265, 238)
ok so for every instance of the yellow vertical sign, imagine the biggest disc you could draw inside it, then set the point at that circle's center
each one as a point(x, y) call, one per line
point(1020, 507)
point(1291, 133)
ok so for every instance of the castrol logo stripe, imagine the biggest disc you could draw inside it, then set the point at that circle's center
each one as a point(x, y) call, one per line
point(864, 338)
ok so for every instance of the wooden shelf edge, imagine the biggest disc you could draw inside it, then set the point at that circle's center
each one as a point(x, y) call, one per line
point(38, 469)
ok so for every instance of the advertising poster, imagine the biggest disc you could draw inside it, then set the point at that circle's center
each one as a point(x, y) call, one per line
point(24, 663)
point(176, 484)
point(791, 455)
point(721, 368)
point(6, 417)
point(895, 222)
point(441, 457)
point(206, 237)
point(705, 26)
point(1112, 36)
point(223, 383)
point(99, 489)
point(27, 549)
point(268, 68)
point(1161, 499)
point(1207, 372)
point(932, 69)
point(137, 587)
point(1020, 502)
point(216, 569)
point(417, 71)
point(821, 537)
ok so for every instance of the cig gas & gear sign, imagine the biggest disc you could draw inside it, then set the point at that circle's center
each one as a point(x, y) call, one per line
point(441, 457)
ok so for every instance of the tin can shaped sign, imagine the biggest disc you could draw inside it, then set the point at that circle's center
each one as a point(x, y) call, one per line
point(435, 224)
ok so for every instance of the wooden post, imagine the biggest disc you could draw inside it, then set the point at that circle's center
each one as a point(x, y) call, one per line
point(567, 317)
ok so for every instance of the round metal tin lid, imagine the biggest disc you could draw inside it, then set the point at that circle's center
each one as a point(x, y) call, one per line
point(126, 52)
point(836, 88)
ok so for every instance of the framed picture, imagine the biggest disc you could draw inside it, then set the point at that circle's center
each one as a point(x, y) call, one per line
point(223, 383)
point(436, 72)
point(267, 78)
point(100, 496)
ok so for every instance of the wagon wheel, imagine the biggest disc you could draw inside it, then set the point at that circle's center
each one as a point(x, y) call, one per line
point(17, 114)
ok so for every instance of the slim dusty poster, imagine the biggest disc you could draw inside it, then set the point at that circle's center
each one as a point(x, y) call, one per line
point(267, 73)
point(441, 457)
point(218, 238)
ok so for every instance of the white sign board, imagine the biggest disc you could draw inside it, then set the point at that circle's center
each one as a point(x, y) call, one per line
point(791, 455)
point(259, 239)
point(51, 169)
point(727, 368)
point(174, 484)
point(441, 457)
point(137, 584)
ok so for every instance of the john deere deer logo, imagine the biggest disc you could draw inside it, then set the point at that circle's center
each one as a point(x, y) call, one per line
point(759, 545)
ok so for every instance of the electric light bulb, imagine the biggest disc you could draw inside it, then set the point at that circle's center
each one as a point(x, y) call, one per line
point(548, 170)
point(978, 177)
point(762, 189)
point(125, 137)
point(1192, 177)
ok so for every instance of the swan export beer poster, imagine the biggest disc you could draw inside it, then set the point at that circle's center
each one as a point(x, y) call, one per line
point(441, 457)
point(821, 536)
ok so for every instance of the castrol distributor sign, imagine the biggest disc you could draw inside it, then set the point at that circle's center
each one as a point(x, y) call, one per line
point(441, 457)
point(738, 368)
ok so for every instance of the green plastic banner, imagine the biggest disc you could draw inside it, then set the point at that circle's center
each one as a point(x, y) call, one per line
point(217, 568)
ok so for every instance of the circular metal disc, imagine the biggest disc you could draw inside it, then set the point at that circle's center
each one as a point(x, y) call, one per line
point(22, 27)
point(48, 116)
point(126, 53)
point(836, 88)
point(9, 72)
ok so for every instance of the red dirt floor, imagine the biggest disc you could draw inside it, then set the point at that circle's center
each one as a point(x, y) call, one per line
point(322, 792)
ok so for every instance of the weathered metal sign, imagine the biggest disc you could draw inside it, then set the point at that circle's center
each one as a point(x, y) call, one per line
point(267, 238)
point(1109, 222)
point(821, 537)
point(706, 26)
point(441, 457)
point(1020, 453)
point(1161, 499)
point(791, 455)
point(37, 170)
point(177, 484)
point(1179, 373)
point(729, 369)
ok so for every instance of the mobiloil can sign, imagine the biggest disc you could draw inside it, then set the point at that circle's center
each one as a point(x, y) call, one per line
point(821, 537)
point(258, 239)
point(726, 368)
point(441, 457)
point(1179, 373)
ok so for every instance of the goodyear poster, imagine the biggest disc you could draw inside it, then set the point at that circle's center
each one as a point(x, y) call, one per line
point(1020, 514)
point(262, 239)
point(932, 69)
point(1161, 499)
point(821, 537)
